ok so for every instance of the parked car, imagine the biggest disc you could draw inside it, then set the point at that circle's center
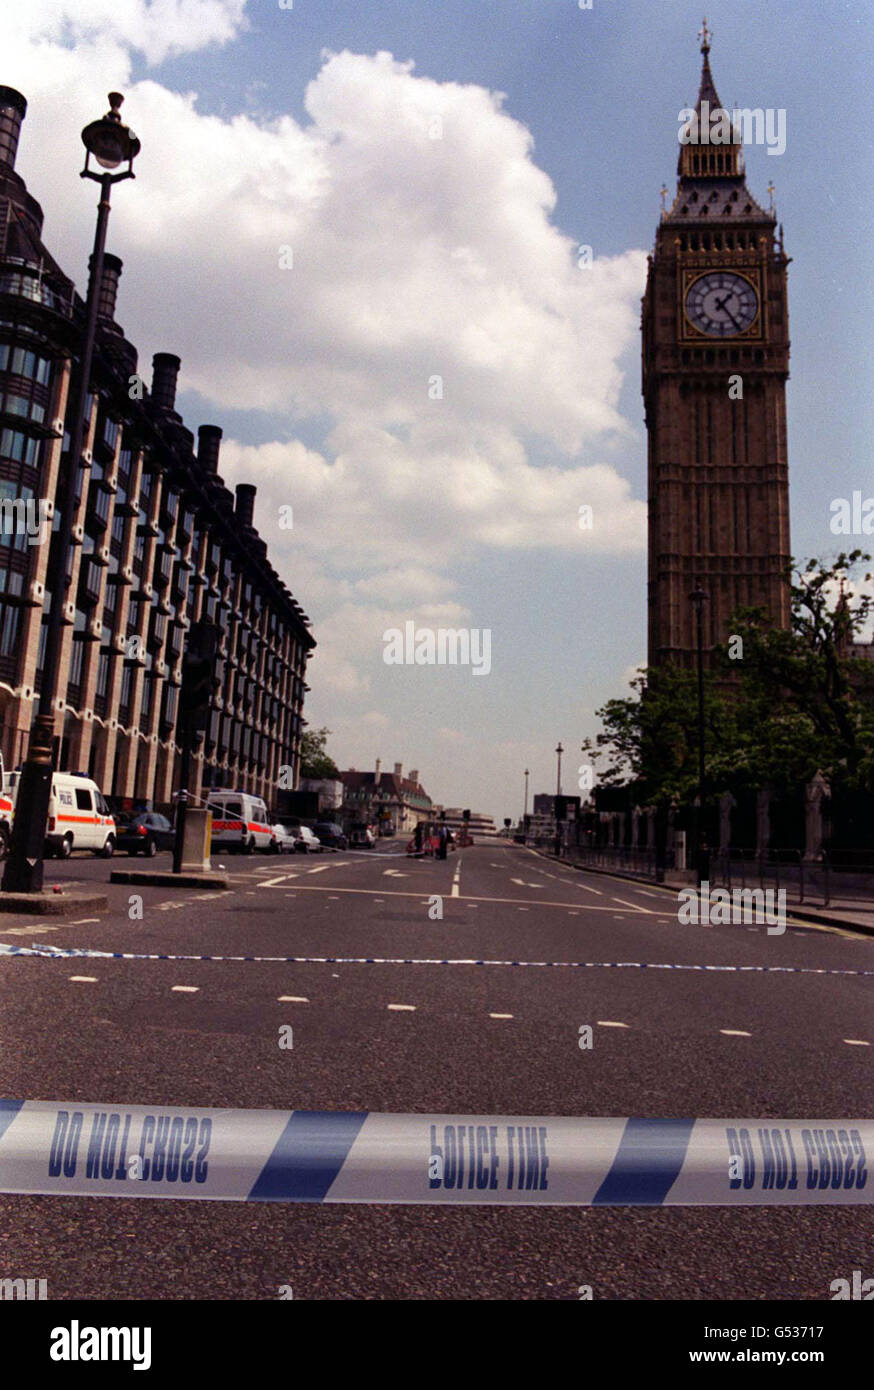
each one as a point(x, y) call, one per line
point(330, 836)
point(143, 832)
point(362, 835)
point(307, 841)
point(285, 837)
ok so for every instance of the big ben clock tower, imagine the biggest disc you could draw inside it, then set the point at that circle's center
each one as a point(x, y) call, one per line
point(715, 366)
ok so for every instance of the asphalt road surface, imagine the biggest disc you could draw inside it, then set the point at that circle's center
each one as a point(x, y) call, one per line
point(494, 1039)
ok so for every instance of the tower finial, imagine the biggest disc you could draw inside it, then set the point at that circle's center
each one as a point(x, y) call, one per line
point(705, 36)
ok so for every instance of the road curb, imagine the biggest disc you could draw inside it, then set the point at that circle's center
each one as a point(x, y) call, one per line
point(801, 913)
point(53, 904)
point(145, 879)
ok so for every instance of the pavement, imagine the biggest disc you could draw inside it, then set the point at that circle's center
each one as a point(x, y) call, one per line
point(838, 912)
point(792, 1040)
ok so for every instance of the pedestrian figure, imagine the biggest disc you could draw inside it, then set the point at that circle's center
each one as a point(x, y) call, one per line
point(444, 841)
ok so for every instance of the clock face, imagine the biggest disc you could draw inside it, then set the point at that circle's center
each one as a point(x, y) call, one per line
point(721, 304)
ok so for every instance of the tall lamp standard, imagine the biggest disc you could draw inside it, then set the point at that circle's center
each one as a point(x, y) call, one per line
point(699, 597)
point(111, 143)
point(559, 750)
point(525, 812)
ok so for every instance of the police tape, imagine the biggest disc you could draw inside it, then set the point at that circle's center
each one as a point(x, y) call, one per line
point(68, 952)
point(73, 1149)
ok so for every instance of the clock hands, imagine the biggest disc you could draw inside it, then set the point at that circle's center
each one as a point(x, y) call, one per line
point(722, 304)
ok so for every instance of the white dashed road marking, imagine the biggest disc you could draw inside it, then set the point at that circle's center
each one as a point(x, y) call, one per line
point(293, 998)
point(405, 1008)
point(610, 1023)
point(184, 989)
point(856, 1042)
point(735, 1033)
point(84, 979)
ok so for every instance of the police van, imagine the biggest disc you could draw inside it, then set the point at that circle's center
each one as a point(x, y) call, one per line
point(5, 812)
point(78, 817)
point(239, 821)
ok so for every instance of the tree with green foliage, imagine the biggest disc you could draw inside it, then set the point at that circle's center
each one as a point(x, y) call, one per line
point(796, 702)
point(315, 761)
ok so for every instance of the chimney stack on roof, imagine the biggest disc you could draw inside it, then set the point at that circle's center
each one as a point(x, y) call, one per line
point(399, 769)
point(165, 370)
point(13, 107)
point(209, 438)
point(245, 504)
point(108, 287)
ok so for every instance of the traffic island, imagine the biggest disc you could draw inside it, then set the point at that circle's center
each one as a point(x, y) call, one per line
point(187, 879)
point(51, 904)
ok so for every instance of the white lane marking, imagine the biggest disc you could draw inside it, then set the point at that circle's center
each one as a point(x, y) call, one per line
point(393, 873)
point(586, 889)
point(456, 878)
point(521, 909)
point(26, 931)
point(856, 1042)
point(473, 904)
point(573, 914)
point(272, 882)
point(379, 900)
point(735, 1033)
point(610, 1023)
point(83, 921)
point(332, 898)
point(293, 998)
point(402, 1008)
point(184, 989)
point(635, 907)
point(168, 907)
point(500, 1015)
point(321, 868)
point(463, 897)
point(84, 979)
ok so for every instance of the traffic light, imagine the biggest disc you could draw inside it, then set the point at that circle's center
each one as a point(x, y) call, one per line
point(465, 815)
point(198, 676)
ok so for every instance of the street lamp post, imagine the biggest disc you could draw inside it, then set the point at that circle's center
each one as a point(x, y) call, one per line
point(111, 143)
point(699, 597)
point(559, 750)
point(525, 812)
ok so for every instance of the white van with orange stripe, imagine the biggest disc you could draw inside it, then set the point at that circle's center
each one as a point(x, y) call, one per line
point(239, 821)
point(5, 811)
point(79, 818)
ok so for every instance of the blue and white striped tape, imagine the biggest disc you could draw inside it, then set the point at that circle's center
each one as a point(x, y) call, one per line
point(74, 1149)
point(63, 953)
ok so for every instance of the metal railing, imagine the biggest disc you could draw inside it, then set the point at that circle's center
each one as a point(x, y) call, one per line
point(839, 876)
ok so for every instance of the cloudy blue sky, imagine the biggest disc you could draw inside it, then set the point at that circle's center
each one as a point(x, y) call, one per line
point(311, 128)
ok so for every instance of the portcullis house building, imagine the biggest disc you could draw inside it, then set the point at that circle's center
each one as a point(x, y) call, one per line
point(159, 542)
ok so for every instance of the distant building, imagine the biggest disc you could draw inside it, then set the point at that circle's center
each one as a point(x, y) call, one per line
point(479, 826)
point(388, 800)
